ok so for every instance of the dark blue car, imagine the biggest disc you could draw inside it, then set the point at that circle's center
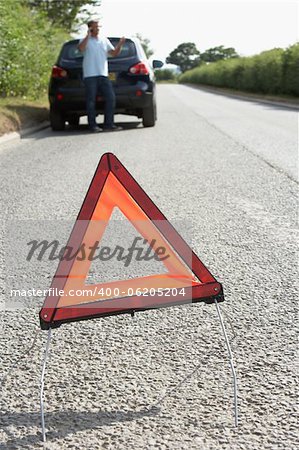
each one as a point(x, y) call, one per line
point(130, 72)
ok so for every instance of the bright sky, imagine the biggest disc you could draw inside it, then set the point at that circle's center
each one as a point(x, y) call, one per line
point(248, 26)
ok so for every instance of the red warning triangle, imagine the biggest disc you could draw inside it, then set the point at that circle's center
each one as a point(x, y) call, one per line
point(186, 280)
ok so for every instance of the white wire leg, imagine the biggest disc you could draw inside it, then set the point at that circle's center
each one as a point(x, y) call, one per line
point(231, 361)
point(42, 385)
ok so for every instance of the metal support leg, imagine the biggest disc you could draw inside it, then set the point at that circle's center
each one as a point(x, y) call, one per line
point(231, 361)
point(42, 385)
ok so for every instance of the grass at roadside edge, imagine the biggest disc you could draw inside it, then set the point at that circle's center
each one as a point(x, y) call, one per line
point(19, 113)
point(287, 99)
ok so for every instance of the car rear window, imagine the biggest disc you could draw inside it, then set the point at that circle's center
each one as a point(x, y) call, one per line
point(71, 51)
point(128, 49)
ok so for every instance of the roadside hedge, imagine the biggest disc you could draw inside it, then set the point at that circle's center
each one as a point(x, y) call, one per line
point(165, 75)
point(29, 47)
point(271, 72)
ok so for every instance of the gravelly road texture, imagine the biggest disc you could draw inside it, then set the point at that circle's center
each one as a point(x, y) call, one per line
point(226, 166)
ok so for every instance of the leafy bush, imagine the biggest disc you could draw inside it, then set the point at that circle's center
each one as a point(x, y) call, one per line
point(290, 71)
point(165, 75)
point(271, 72)
point(28, 49)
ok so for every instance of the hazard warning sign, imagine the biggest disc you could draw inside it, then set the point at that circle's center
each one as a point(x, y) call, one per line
point(185, 278)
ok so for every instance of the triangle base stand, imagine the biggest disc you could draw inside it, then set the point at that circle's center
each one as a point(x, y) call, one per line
point(231, 362)
point(42, 411)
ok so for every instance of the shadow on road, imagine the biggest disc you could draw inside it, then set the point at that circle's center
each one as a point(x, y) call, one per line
point(63, 423)
point(82, 130)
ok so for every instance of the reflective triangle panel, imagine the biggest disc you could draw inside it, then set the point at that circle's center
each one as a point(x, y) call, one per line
point(184, 280)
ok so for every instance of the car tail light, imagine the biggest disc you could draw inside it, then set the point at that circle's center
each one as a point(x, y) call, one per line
point(58, 72)
point(139, 69)
point(59, 96)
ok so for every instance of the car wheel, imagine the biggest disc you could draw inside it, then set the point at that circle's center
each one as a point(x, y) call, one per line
point(56, 120)
point(149, 116)
point(74, 120)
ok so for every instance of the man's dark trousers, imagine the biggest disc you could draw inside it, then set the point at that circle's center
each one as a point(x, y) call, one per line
point(94, 86)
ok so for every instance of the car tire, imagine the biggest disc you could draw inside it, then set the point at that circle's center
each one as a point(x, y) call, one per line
point(149, 115)
point(74, 120)
point(57, 121)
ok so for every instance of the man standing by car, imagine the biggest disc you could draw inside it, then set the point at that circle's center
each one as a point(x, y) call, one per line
point(95, 51)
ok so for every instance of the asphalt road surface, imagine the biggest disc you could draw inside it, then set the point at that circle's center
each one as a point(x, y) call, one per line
point(224, 171)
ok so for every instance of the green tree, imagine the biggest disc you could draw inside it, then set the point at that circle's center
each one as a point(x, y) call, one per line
point(145, 45)
point(217, 53)
point(62, 13)
point(186, 56)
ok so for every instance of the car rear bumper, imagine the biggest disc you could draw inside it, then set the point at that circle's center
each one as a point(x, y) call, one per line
point(128, 98)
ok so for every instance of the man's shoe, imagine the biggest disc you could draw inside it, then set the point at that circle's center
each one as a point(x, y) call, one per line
point(111, 128)
point(95, 129)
